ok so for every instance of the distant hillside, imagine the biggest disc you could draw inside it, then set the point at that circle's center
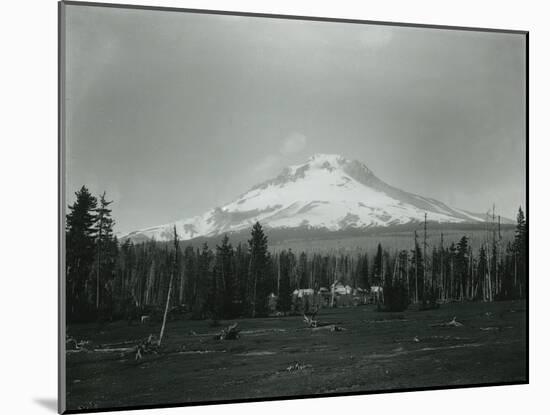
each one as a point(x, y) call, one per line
point(396, 238)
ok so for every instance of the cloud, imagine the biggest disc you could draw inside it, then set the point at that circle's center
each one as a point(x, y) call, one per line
point(266, 165)
point(294, 143)
point(291, 145)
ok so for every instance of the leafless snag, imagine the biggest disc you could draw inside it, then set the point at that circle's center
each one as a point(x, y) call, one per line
point(174, 270)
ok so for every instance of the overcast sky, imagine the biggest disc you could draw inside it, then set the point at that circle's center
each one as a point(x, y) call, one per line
point(175, 113)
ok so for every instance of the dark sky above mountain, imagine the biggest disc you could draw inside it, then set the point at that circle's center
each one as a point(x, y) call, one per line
point(175, 113)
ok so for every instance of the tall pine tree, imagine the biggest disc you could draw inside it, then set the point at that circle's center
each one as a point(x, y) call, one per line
point(224, 274)
point(203, 304)
point(80, 254)
point(462, 263)
point(106, 250)
point(258, 270)
point(285, 293)
point(377, 268)
point(520, 251)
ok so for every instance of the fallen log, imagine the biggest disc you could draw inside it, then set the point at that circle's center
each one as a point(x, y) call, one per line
point(115, 350)
point(490, 328)
point(327, 326)
point(315, 325)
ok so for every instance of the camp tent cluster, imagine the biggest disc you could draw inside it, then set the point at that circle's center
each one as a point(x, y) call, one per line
point(338, 295)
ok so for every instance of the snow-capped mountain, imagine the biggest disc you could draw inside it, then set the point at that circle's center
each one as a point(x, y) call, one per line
point(328, 191)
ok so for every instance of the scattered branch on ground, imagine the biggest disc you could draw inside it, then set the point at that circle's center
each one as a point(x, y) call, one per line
point(334, 327)
point(297, 366)
point(390, 320)
point(73, 344)
point(147, 346)
point(310, 322)
point(229, 333)
point(314, 324)
point(452, 323)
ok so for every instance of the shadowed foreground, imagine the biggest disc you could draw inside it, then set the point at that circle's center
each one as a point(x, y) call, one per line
point(277, 357)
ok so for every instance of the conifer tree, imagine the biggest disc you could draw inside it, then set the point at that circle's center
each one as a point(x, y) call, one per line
point(292, 270)
point(258, 269)
point(462, 265)
point(482, 272)
point(127, 301)
point(508, 291)
point(377, 266)
point(105, 247)
point(403, 266)
point(363, 272)
point(80, 253)
point(520, 250)
point(417, 263)
point(452, 270)
point(303, 272)
point(191, 280)
point(224, 275)
point(285, 293)
point(204, 282)
point(242, 263)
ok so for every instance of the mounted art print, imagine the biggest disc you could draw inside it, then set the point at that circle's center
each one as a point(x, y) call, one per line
point(271, 207)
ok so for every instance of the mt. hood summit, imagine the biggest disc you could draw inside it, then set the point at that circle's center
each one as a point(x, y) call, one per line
point(328, 191)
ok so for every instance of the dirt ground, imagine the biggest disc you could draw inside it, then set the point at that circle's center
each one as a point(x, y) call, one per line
point(278, 357)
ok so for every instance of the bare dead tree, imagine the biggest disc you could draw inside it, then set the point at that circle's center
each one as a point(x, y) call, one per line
point(441, 270)
point(174, 269)
point(424, 277)
point(415, 269)
point(395, 267)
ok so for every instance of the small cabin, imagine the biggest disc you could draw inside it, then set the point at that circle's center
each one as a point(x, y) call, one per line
point(341, 295)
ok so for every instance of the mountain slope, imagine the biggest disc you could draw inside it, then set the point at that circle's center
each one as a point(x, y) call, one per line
point(328, 191)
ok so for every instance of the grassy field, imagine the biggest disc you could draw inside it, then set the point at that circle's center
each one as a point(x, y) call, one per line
point(276, 357)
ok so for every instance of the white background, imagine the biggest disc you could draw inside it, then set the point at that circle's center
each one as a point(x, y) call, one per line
point(28, 203)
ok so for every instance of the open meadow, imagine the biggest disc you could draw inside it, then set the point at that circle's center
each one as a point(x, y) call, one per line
point(281, 357)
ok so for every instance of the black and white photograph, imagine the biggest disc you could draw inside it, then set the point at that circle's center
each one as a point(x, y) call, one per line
point(258, 207)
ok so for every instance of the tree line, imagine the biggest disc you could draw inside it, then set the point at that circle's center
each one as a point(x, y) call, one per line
point(110, 279)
